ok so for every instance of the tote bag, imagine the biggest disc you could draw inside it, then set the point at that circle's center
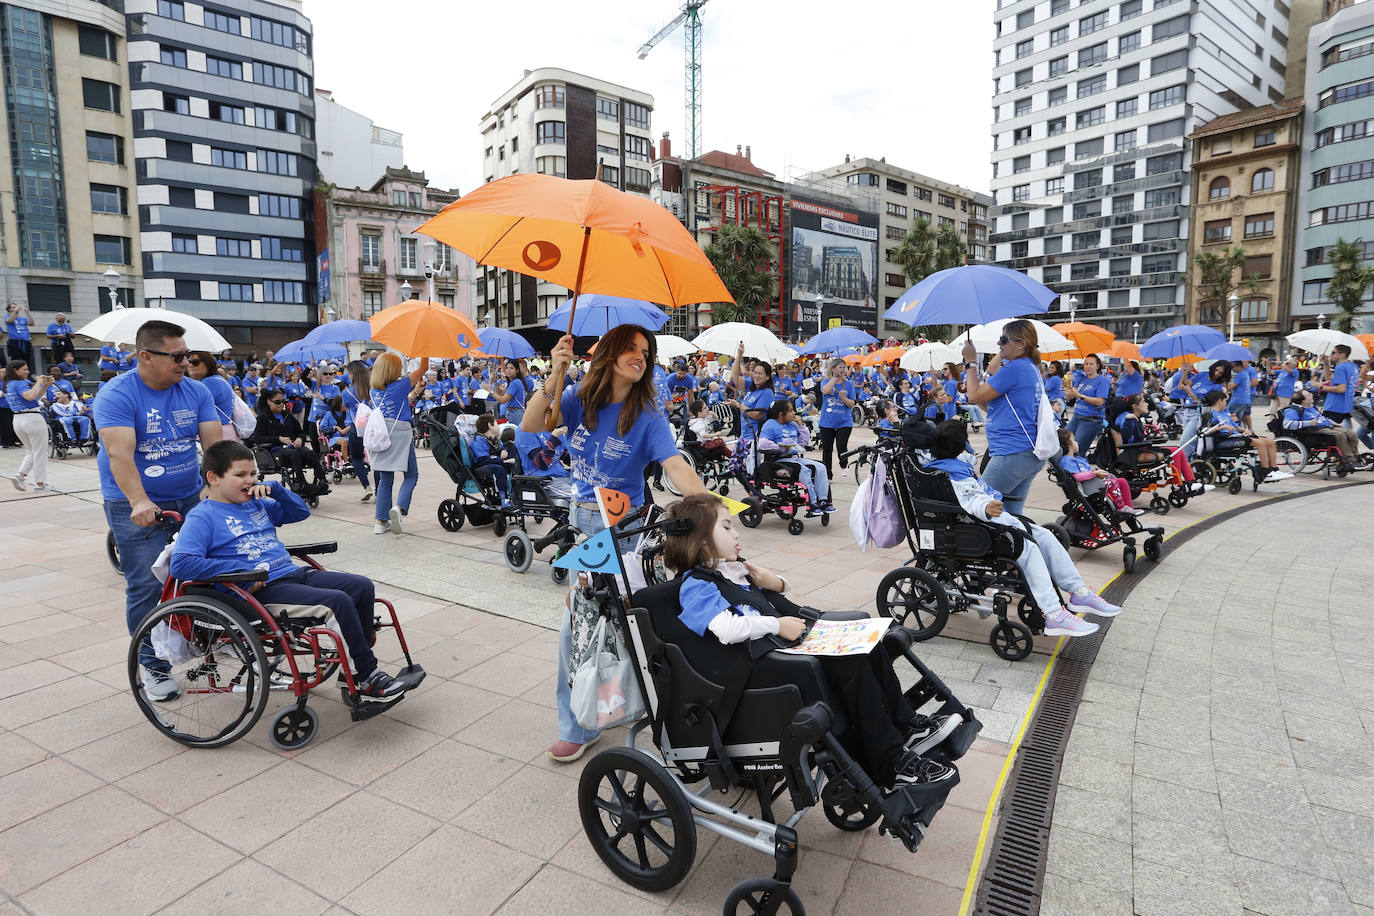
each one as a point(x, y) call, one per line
point(1046, 426)
point(605, 692)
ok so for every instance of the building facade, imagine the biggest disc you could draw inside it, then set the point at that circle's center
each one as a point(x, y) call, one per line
point(557, 122)
point(1336, 200)
point(66, 168)
point(1244, 193)
point(224, 127)
point(376, 258)
point(352, 151)
point(1092, 103)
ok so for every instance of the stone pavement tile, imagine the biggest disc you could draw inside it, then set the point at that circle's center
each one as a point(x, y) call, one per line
point(17, 753)
point(45, 846)
point(1153, 798)
point(509, 673)
point(14, 656)
point(872, 889)
point(64, 731)
point(1251, 763)
point(999, 726)
point(1185, 847)
point(1292, 846)
point(1102, 691)
point(1095, 774)
point(378, 831)
point(1266, 889)
point(542, 694)
point(1100, 742)
point(944, 854)
point(1091, 813)
point(1249, 735)
point(1329, 708)
point(248, 887)
point(96, 655)
point(29, 675)
point(1246, 706)
point(1355, 796)
point(446, 779)
point(177, 783)
point(534, 812)
point(580, 858)
point(519, 730)
point(1166, 764)
point(500, 633)
point(122, 881)
point(1355, 875)
point(1106, 716)
point(1173, 735)
point(553, 890)
point(452, 655)
point(37, 788)
point(449, 620)
point(124, 752)
point(542, 645)
point(48, 625)
point(1345, 831)
point(1166, 709)
point(50, 700)
point(718, 870)
point(1100, 862)
point(979, 770)
point(446, 707)
point(361, 755)
point(1025, 678)
point(1061, 896)
point(450, 865)
point(1270, 798)
point(292, 793)
point(1162, 891)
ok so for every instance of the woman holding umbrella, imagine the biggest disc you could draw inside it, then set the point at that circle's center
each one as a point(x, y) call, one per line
point(614, 433)
point(1012, 395)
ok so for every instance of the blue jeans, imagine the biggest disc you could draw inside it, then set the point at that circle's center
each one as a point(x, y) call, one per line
point(589, 522)
point(355, 458)
point(1085, 431)
point(1191, 418)
point(1366, 435)
point(351, 598)
point(385, 480)
point(1012, 475)
point(138, 549)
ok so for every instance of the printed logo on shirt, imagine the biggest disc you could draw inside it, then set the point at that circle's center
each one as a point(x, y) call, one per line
point(152, 421)
point(154, 470)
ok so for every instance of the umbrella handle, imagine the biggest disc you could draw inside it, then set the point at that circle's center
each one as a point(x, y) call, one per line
point(557, 377)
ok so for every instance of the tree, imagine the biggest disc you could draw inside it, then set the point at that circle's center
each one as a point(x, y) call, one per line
point(1217, 278)
point(925, 251)
point(1349, 280)
point(741, 256)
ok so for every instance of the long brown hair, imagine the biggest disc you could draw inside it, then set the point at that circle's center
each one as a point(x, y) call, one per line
point(681, 552)
point(1024, 331)
point(598, 382)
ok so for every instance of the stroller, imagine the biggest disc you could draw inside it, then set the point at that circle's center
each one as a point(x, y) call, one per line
point(477, 498)
point(1092, 522)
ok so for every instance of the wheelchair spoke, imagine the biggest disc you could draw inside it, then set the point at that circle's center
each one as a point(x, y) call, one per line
point(663, 845)
point(618, 787)
point(643, 852)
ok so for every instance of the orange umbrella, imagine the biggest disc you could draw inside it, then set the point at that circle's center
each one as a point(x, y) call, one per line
point(1367, 340)
point(420, 328)
point(855, 359)
point(885, 355)
point(1087, 338)
point(1175, 362)
point(1124, 349)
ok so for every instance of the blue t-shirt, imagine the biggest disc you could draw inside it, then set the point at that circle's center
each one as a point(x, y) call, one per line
point(1202, 385)
point(1074, 465)
point(393, 401)
point(660, 388)
point(18, 326)
point(1284, 382)
point(603, 458)
point(518, 393)
point(127, 360)
point(60, 330)
point(835, 414)
point(14, 399)
point(109, 358)
point(1054, 387)
point(322, 395)
point(59, 385)
point(1127, 385)
point(906, 400)
point(758, 399)
point(1012, 415)
point(1244, 393)
point(1342, 402)
point(701, 601)
point(1098, 386)
point(271, 383)
point(686, 384)
point(222, 395)
point(783, 435)
point(166, 426)
point(219, 538)
point(537, 449)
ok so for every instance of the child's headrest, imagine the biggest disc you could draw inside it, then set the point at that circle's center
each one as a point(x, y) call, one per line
point(917, 433)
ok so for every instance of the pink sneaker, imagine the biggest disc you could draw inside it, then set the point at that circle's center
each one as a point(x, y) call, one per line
point(567, 752)
point(1092, 603)
point(1061, 623)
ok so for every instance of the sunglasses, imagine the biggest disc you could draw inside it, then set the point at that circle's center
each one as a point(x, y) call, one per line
point(277, 401)
point(1003, 340)
point(179, 357)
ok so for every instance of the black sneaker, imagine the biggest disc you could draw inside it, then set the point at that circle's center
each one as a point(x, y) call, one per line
point(380, 686)
point(912, 770)
point(928, 731)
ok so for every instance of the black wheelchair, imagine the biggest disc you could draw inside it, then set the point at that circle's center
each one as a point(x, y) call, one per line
point(531, 499)
point(778, 734)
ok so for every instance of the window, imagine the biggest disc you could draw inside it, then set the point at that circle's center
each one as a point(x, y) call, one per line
point(1020, 135)
point(185, 244)
point(96, 42)
point(398, 197)
point(1127, 75)
point(1092, 85)
point(1082, 241)
point(173, 56)
point(611, 175)
point(1020, 249)
point(608, 109)
point(1165, 130)
point(1025, 19)
point(1051, 274)
point(278, 205)
point(1170, 96)
point(108, 198)
point(1260, 266)
point(1054, 186)
point(229, 113)
point(1219, 189)
point(637, 147)
point(1059, 6)
point(1059, 36)
point(1021, 107)
point(1217, 230)
point(1262, 180)
point(1123, 203)
point(236, 292)
point(283, 291)
point(1089, 24)
point(100, 95)
point(233, 248)
point(111, 249)
point(1174, 60)
point(232, 203)
point(894, 280)
point(1164, 197)
point(222, 22)
point(1054, 127)
point(104, 148)
point(1343, 132)
point(1020, 221)
point(552, 165)
point(1159, 264)
point(1129, 10)
point(1169, 28)
point(1254, 309)
point(1123, 235)
point(1054, 156)
point(1057, 96)
point(1342, 213)
point(1020, 192)
point(1158, 295)
point(279, 33)
point(1091, 117)
point(1025, 48)
point(895, 232)
point(1345, 93)
point(179, 151)
point(1265, 138)
point(409, 257)
point(1089, 178)
point(636, 116)
point(1054, 244)
point(1346, 52)
point(277, 119)
point(1124, 140)
point(171, 9)
point(549, 132)
point(1315, 291)
point(1092, 55)
point(1123, 172)
point(924, 194)
point(370, 249)
point(1086, 149)
point(1168, 229)
point(1259, 225)
point(228, 158)
point(1127, 107)
point(219, 66)
point(1019, 164)
point(176, 103)
point(278, 77)
point(897, 187)
point(549, 97)
point(1084, 270)
point(863, 180)
point(1355, 171)
point(1091, 209)
point(183, 197)
point(1169, 162)
point(275, 163)
point(896, 210)
point(1128, 42)
point(1023, 77)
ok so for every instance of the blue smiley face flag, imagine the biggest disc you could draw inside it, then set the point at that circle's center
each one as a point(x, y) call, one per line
point(597, 554)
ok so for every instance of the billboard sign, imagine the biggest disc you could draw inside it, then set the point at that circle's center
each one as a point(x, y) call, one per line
point(833, 268)
point(322, 270)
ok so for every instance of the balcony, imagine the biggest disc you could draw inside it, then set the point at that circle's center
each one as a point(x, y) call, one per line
point(368, 268)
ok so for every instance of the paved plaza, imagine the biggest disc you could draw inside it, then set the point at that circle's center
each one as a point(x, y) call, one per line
point(1220, 761)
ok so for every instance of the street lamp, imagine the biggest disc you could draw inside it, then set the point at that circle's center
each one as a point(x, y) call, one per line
point(111, 281)
point(1232, 303)
point(820, 309)
point(1073, 307)
point(1321, 321)
point(430, 248)
point(406, 290)
point(1135, 332)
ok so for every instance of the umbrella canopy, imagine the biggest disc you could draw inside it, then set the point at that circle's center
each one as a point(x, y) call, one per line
point(302, 351)
point(985, 336)
point(419, 328)
point(1322, 341)
point(1087, 338)
point(973, 294)
point(836, 339)
point(1367, 340)
point(597, 314)
point(1229, 352)
point(671, 347)
point(344, 330)
point(885, 355)
point(501, 342)
point(1124, 349)
point(1184, 339)
point(760, 343)
point(929, 357)
point(856, 359)
point(121, 326)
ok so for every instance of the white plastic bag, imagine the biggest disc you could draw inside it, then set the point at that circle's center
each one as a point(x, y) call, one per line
point(360, 417)
point(858, 513)
point(605, 692)
point(1046, 430)
point(244, 420)
point(376, 437)
point(170, 646)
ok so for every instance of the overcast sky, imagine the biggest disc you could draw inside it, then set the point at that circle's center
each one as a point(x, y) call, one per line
point(803, 82)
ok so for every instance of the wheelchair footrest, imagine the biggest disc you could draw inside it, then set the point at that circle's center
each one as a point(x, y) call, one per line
point(361, 711)
point(411, 676)
point(959, 740)
point(908, 811)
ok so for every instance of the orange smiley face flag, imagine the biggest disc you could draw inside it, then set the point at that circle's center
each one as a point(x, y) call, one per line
point(614, 505)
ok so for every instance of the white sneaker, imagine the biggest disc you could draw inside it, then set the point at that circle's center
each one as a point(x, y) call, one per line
point(381, 527)
point(367, 495)
point(45, 488)
point(1061, 623)
point(158, 686)
point(19, 483)
point(1277, 474)
point(395, 519)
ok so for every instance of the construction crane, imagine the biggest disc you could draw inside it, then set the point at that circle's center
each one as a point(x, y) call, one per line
point(690, 19)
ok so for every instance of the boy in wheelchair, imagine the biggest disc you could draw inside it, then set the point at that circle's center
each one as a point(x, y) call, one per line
point(1315, 430)
point(236, 529)
point(1227, 437)
point(1044, 561)
point(734, 601)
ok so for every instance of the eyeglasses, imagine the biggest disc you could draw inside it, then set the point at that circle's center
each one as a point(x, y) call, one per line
point(179, 357)
point(1003, 340)
point(193, 362)
point(277, 401)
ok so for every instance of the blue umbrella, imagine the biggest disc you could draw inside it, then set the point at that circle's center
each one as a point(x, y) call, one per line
point(836, 339)
point(597, 314)
point(974, 294)
point(1181, 341)
point(1229, 352)
point(501, 342)
point(341, 331)
point(298, 351)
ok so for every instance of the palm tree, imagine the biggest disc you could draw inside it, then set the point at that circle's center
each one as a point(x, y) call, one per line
point(1349, 280)
point(1216, 279)
point(925, 251)
point(741, 256)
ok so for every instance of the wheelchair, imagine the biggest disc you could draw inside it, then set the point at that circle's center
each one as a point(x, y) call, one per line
point(1092, 522)
point(60, 444)
point(713, 469)
point(269, 465)
point(476, 497)
point(1306, 452)
point(774, 487)
point(332, 460)
point(1147, 467)
point(773, 729)
point(227, 652)
point(1223, 461)
point(531, 500)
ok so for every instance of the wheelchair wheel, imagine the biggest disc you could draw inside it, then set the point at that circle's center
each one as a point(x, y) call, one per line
point(1159, 505)
point(1178, 499)
point(450, 515)
point(844, 811)
point(1060, 534)
point(1030, 615)
point(724, 489)
point(1203, 472)
point(796, 526)
point(1234, 486)
point(558, 574)
point(751, 517)
point(293, 728)
point(498, 523)
point(825, 519)
point(1128, 557)
point(519, 550)
point(112, 551)
point(219, 670)
point(1011, 640)
point(1154, 549)
point(763, 895)
point(338, 476)
point(637, 818)
point(915, 599)
point(667, 478)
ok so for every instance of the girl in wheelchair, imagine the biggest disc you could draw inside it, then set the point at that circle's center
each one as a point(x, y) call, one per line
point(236, 529)
point(733, 601)
point(791, 438)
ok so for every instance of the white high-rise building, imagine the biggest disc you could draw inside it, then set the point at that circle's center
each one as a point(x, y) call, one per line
point(1092, 102)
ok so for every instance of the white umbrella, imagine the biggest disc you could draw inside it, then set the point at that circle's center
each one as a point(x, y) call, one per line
point(1321, 341)
point(929, 357)
point(671, 347)
point(985, 336)
point(759, 342)
point(121, 326)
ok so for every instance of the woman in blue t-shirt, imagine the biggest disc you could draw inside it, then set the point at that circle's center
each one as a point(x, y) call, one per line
point(615, 431)
point(838, 396)
point(512, 393)
point(753, 405)
point(1089, 414)
point(1130, 381)
point(353, 394)
point(1012, 395)
point(391, 391)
